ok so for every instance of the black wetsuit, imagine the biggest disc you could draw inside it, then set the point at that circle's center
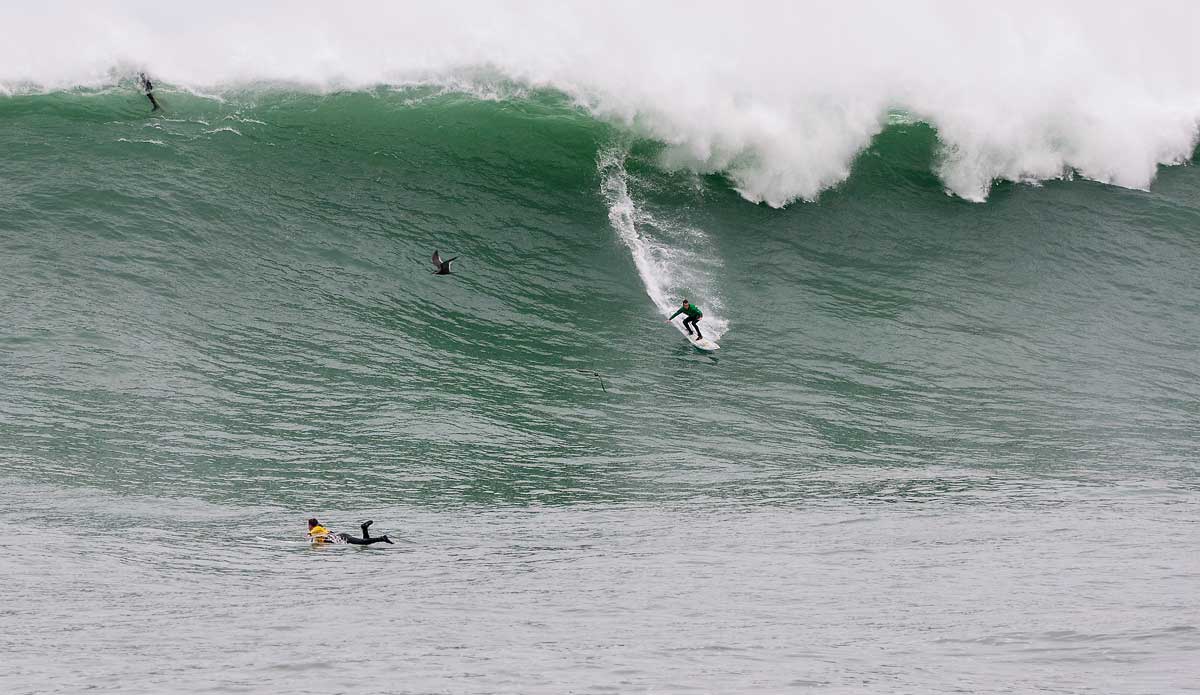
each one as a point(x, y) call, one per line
point(366, 539)
point(148, 89)
point(693, 317)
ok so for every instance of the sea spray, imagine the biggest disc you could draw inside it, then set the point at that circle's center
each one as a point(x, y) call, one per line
point(667, 255)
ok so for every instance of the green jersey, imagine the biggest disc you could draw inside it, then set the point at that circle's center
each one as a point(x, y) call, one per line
point(691, 310)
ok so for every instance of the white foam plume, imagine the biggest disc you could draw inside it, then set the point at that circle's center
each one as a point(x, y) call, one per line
point(777, 95)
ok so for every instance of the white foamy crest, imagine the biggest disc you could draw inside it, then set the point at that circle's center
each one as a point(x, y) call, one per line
point(144, 142)
point(779, 96)
point(669, 270)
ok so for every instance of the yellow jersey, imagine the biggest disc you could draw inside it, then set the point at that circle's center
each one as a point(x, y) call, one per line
point(319, 534)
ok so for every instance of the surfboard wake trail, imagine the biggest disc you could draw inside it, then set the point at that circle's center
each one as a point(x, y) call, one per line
point(666, 252)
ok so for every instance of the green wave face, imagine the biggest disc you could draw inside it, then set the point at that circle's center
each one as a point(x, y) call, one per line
point(948, 442)
point(233, 298)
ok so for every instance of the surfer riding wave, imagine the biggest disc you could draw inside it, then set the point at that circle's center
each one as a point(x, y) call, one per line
point(693, 318)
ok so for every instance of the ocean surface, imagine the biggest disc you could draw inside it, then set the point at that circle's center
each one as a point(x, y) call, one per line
point(950, 442)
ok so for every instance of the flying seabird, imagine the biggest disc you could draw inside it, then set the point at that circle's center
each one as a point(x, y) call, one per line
point(443, 267)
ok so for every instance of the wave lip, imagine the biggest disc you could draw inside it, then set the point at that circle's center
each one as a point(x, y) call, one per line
point(780, 98)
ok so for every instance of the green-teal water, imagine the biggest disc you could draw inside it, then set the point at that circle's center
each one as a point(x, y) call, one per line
point(944, 446)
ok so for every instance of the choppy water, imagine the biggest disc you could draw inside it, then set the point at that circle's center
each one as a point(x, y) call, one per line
point(945, 446)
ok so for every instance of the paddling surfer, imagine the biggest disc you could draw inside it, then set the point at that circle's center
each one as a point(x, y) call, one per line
point(319, 535)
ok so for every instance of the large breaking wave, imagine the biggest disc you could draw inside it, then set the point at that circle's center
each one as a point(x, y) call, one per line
point(780, 97)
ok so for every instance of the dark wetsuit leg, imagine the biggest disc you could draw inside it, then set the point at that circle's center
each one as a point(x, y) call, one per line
point(366, 539)
point(694, 322)
point(354, 540)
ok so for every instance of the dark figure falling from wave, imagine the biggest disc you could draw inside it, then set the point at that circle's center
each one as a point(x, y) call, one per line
point(147, 88)
point(319, 535)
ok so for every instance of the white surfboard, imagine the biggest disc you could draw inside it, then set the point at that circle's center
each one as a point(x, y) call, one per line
point(703, 344)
